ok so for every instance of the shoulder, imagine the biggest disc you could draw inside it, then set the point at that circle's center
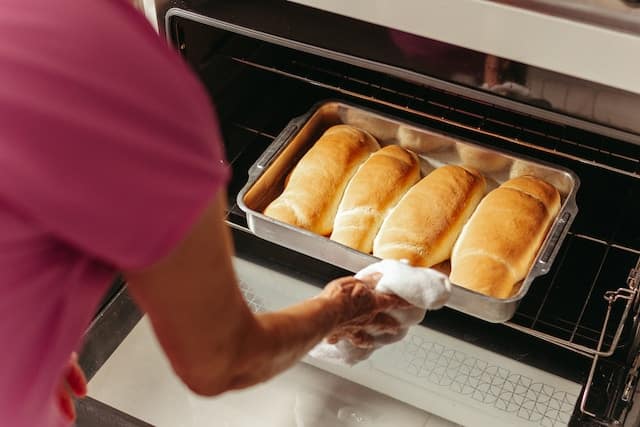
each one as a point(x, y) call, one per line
point(92, 45)
point(100, 55)
point(45, 25)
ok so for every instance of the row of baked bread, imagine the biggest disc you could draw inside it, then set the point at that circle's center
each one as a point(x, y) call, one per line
point(373, 200)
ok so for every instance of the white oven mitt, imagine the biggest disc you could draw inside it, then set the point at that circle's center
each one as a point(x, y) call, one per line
point(424, 288)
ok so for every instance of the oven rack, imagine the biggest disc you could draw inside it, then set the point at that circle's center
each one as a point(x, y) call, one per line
point(565, 141)
point(512, 130)
point(628, 297)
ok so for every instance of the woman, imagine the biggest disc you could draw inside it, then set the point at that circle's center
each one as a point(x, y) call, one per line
point(111, 161)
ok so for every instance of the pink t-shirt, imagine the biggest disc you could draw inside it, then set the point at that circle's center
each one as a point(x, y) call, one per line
point(109, 151)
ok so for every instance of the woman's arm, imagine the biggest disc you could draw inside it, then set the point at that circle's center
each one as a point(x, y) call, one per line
point(211, 337)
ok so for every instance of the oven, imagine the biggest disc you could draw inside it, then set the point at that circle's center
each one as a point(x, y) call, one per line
point(570, 353)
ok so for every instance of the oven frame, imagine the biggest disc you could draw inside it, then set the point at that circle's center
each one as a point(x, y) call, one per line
point(628, 296)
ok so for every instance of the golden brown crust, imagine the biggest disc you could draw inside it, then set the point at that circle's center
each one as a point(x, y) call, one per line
point(485, 161)
point(503, 236)
point(421, 142)
point(562, 182)
point(314, 188)
point(537, 188)
point(426, 222)
point(493, 271)
point(376, 187)
point(382, 129)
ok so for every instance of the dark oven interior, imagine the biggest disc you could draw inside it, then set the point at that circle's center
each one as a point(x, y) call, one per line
point(259, 86)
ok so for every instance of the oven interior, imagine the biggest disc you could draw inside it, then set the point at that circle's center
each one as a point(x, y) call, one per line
point(258, 86)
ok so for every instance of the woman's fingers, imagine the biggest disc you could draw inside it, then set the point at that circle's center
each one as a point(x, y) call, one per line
point(75, 378)
point(72, 383)
point(390, 301)
point(360, 335)
point(65, 402)
point(334, 338)
point(361, 339)
point(358, 297)
point(384, 324)
point(383, 301)
point(367, 311)
point(371, 280)
point(345, 332)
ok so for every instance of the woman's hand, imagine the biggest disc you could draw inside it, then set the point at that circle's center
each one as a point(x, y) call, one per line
point(72, 384)
point(362, 310)
point(217, 344)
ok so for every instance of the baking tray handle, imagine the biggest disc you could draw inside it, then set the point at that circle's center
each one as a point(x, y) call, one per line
point(274, 148)
point(560, 229)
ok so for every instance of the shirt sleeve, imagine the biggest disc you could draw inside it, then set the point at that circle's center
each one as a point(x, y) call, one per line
point(107, 140)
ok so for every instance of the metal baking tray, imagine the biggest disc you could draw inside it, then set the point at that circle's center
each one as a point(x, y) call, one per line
point(268, 174)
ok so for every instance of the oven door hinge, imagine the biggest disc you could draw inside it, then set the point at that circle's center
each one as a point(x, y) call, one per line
point(631, 295)
point(633, 281)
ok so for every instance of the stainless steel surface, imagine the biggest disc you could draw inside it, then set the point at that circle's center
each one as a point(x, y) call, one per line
point(266, 182)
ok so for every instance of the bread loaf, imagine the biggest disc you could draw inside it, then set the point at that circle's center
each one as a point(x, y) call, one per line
point(483, 160)
point(423, 227)
point(314, 188)
point(562, 182)
point(422, 142)
point(500, 241)
point(376, 187)
point(381, 129)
